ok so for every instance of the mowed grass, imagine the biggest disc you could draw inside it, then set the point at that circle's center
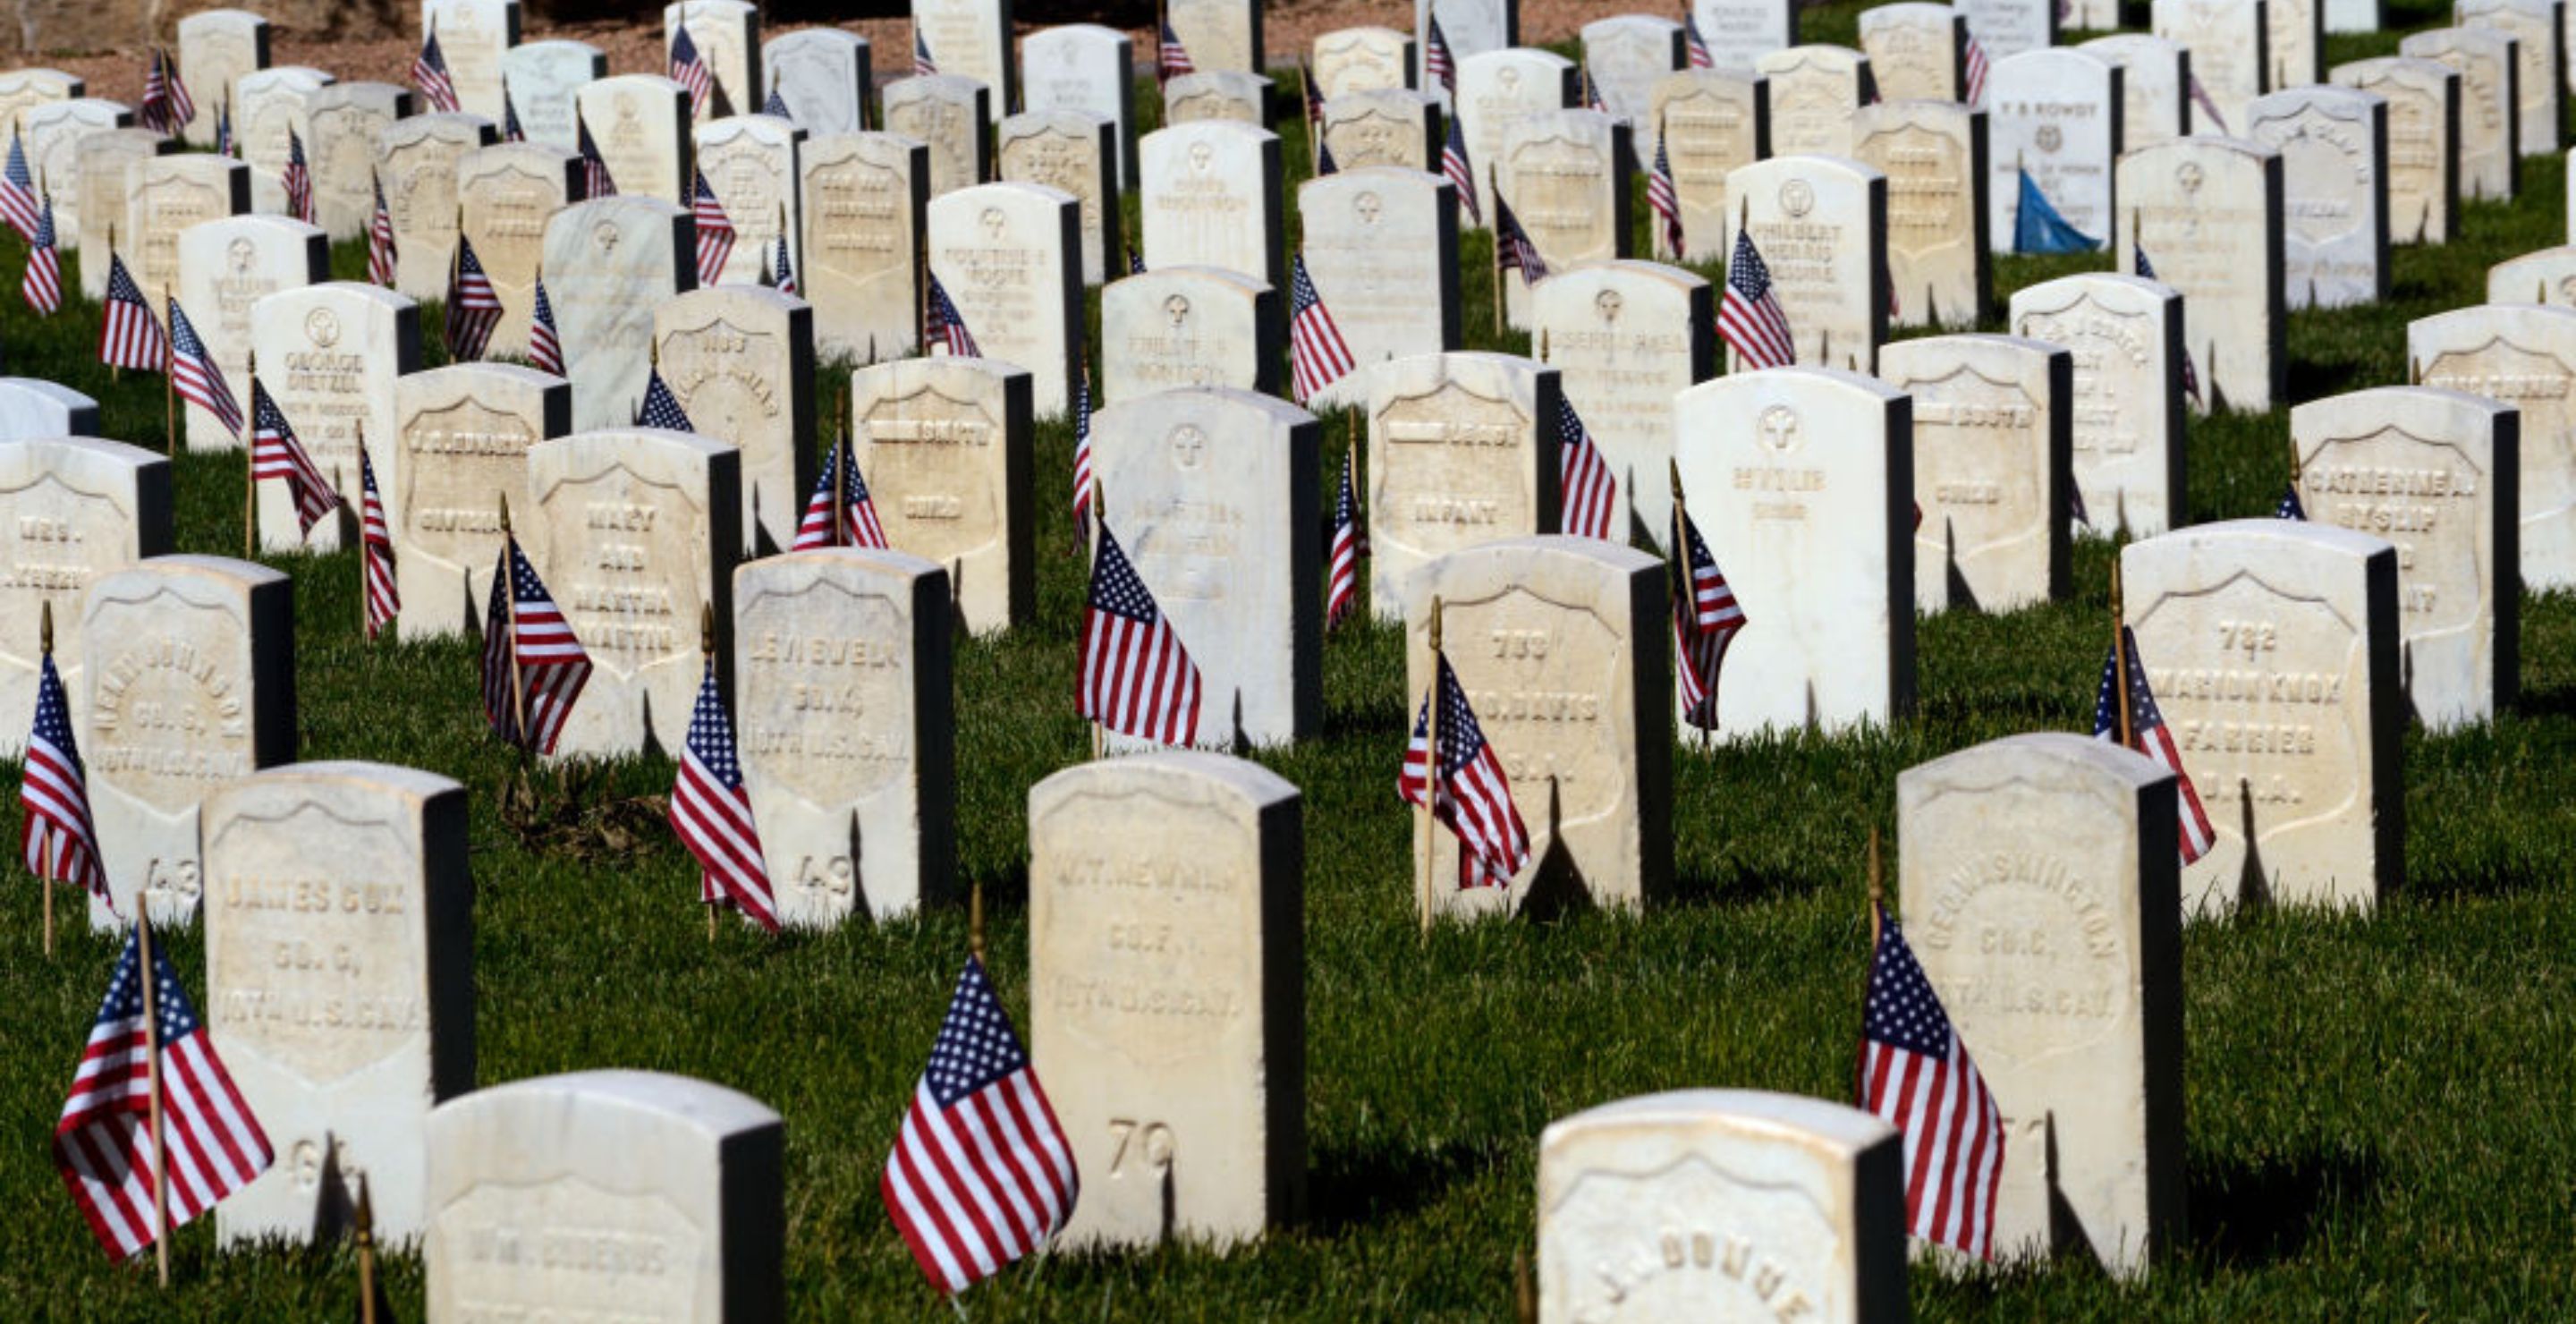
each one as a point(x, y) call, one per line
point(2376, 1106)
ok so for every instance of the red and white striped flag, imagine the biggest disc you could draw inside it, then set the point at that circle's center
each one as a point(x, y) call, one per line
point(473, 306)
point(1749, 317)
point(981, 1172)
point(1915, 1074)
point(596, 182)
point(1475, 797)
point(1665, 198)
point(1349, 543)
point(1317, 354)
point(947, 326)
point(840, 513)
point(56, 835)
point(689, 70)
point(275, 452)
point(2149, 735)
point(1461, 173)
point(380, 240)
point(1705, 620)
point(1975, 59)
point(153, 112)
point(530, 657)
point(922, 63)
point(103, 1143)
point(196, 378)
point(711, 812)
point(1590, 494)
point(1439, 65)
point(429, 74)
point(1700, 56)
point(715, 233)
point(298, 179)
point(18, 202)
point(43, 281)
point(128, 335)
point(183, 107)
point(1137, 679)
point(1082, 455)
point(1171, 58)
point(545, 347)
point(376, 536)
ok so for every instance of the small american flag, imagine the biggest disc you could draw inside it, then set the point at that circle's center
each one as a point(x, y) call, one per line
point(689, 70)
point(473, 306)
point(776, 105)
point(196, 377)
point(1705, 620)
point(596, 182)
point(298, 180)
point(103, 1140)
point(783, 269)
point(1512, 246)
point(545, 347)
point(1749, 318)
point(183, 107)
point(2149, 735)
point(1665, 197)
point(1590, 494)
point(1314, 99)
point(1317, 354)
point(511, 130)
point(128, 335)
point(224, 128)
point(1592, 92)
point(715, 233)
point(2200, 100)
point(2290, 507)
point(380, 240)
point(1700, 57)
point(947, 327)
point(18, 203)
point(1082, 455)
point(711, 812)
point(922, 64)
point(1461, 173)
point(841, 513)
point(276, 453)
point(522, 623)
point(43, 282)
point(1438, 64)
point(981, 1172)
point(661, 409)
point(1976, 62)
point(1916, 1075)
point(56, 835)
point(1475, 798)
point(429, 74)
point(1324, 162)
point(2190, 375)
point(154, 112)
point(1137, 679)
point(1348, 544)
point(1135, 261)
point(1171, 58)
point(384, 599)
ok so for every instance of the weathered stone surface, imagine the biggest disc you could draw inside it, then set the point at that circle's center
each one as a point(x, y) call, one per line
point(1915, 50)
point(73, 509)
point(751, 163)
point(1217, 94)
point(2208, 212)
point(2423, 99)
point(970, 39)
point(226, 266)
point(1175, 327)
point(545, 78)
point(945, 445)
point(473, 35)
point(417, 159)
point(270, 104)
point(1220, 34)
point(2490, 138)
point(1076, 152)
point(329, 355)
point(2524, 356)
point(952, 117)
point(1711, 123)
point(104, 161)
point(189, 684)
point(340, 981)
point(2546, 276)
point(2227, 40)
point(343, 123)
point(2293, 43)
point(727, 35)
point(2155, 101)
point(1933, 153)
point(1381, 246)
point(1741, 32)
point(857, 815)
point(1625, 338)
point(23, 88)
point(864, 196)
point(1386, 127)
point(2125, 334)
point(1624, 56)
point(507, 193)
point(608, 263)
point(164, 195)
point(1809, 512)
point(2333, 143)
point(1496, 90)
point(1472, 27)
point(2039, 888)
point(33, 409)
point(1993, 428)
point(1366, 59)
point(2540, 58)
point(639, 124)
point(1212, 199)
point(461, 445)
point(1721, 1204)
point(740, 361)
point(2055, 114)
point(217, 47)
point(1814, 92)
point(1009, 257)
point(1820, 223)
point(1089, 68)
point(2436, 471)
point(58, 135)
point(1565, 173)
point(684, 1175)
point(1168, 1018)
point(1462, 450)
point(825, 76)
point(2007, 28)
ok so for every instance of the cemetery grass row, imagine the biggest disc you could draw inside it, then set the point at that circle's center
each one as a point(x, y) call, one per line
point(2375, 1106)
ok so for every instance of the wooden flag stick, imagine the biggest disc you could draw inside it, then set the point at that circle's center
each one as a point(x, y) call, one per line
point(2120, 656)
point(364, 1233)
point(1430, 776)
point(1877, 891)
point(1099, 530)
point(250, 465)
point(975, 921)
point(1524, 1289)
point(1315, 127)
point(152, 1060)
point(707, 650)
point(45, 877)
point(510, 613)
point(169, 387)
point(111, 262)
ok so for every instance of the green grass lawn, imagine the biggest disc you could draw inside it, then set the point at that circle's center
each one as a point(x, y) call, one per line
point(2377, 1106)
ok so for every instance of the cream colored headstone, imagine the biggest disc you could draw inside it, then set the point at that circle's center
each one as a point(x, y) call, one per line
point(1089, 68)
point(58, 134)
point(608, 264)
point(1809, 512)
point(1217, 94)
point(1219, 34)
point(2490, 152)
point(1167, 1008)
point(1009, 257)
point(864, 197)
point(1565, 173)
point(2056, 115)
point(417, 158)
point(1364, 59)
point(2209, 213)
point(2537, 26)
point(461, 445)
point(636, 530)
point(949, 114)
point(329, 355)
point(508, 192)
point(1625, 55)
point(344, 122)
point(2228, 41)
point(639, 124)
point(751, 163)
point(1814, 92)
point(825, 76)
point(1820, 223)
point(2423, 99)
point(1473, 27)
point(217, 47)
point(1739, 32)
point(2125, 334)
point(1188, 326)
point(2333, 143)
point(2293, 43)
point(1939, 265)
point(945, 446)
point(165, 195)
point(1711, 123)
point(1212, 199)
point(727, 35)
point(1564, 647)
point(1496, 89)
point(1216, 496)
point(2155, 100)
point(1381, 246)
point(2038, 879)
point(2436, 472)
point(857, 812)
point(1721, 1205)
point(2271, 646)
point(73, 509)
point(2007, 28)
point(970, 39)
point(2546, 276)
point(1385, 127)
point(544, 76)
point(1076, 152)
point(473, 35)
point(2523, 356)
point(1462, 450)
point(226, 266)
point(1914, 51)
point(32, 409)
point(269, 103)
point(1993, 426)
point(23, 88)
point(1624, 338)
point(101, 189)
point(740, 361)
point(339, 922)
point(624, 1167)
point(188, 684)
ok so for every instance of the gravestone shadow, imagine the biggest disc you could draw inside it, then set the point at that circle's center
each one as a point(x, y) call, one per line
point(1358, 1187)
point(2253, 1212)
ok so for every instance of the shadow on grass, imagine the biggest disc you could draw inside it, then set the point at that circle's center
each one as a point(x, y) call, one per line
point(1354, 1188)
point(1742, 887)
point(2266, 1210)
